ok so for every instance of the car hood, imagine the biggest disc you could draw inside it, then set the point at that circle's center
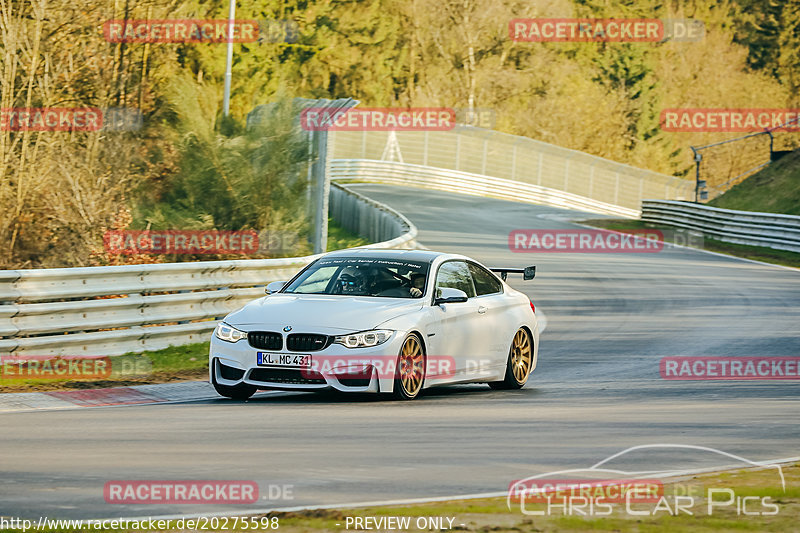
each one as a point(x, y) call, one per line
point(314, 312)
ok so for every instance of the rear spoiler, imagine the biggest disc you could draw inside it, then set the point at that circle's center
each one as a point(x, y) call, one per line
point(527, 272)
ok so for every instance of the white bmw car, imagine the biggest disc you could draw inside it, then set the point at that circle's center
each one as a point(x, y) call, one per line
point(382, 321)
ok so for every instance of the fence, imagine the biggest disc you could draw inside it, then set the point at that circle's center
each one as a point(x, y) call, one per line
point(721, 165)
point(464, 183)
point(119, 309)
point(781, 232)
point(529, 162)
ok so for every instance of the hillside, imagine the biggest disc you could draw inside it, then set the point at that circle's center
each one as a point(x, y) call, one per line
point(180, 165)
point(774, 189)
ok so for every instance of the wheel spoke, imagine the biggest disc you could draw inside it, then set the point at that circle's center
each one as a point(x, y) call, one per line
point(412, 371)
point(520, 357)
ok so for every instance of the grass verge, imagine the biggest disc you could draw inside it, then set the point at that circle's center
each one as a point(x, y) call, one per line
point(757, 253)
point(339, 238)
point(175, 363)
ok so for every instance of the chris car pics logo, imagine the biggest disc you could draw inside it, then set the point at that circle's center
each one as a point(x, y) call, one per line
point(606, 486)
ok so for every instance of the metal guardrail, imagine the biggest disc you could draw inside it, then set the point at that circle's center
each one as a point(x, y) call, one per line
point(772, 230)
point(372, 220)
point(530, 163)
point(119, 309)
point(462, 182)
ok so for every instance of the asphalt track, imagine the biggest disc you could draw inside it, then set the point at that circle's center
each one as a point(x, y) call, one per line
point(597, 391)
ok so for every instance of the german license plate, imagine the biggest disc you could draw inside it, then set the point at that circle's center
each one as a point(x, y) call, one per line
point(283, 359)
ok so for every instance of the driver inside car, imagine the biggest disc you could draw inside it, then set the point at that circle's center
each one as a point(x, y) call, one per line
point(351, 281)
point(417, 284)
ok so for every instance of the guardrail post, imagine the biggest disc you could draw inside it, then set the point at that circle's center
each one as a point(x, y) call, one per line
point(321, 191)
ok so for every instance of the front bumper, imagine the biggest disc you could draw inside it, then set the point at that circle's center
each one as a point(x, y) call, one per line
point(335, 367)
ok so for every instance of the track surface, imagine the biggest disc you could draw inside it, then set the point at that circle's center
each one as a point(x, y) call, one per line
point(597, 391)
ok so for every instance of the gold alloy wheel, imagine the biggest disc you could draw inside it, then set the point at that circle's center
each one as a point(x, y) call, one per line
point(410, 368)
point(521, 356)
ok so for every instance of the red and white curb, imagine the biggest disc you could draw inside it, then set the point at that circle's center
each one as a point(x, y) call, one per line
point(115, 396)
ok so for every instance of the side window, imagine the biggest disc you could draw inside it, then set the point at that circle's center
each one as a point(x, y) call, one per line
point(455, 274)
point(485, 283)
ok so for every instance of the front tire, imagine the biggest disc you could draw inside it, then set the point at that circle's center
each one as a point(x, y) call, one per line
point(410, 370)
point(518, 366)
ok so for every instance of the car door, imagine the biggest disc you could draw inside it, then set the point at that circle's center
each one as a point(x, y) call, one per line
point(457, 325)
point(493, 306)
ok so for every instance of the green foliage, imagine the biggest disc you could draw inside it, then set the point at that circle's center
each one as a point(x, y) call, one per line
point(230, 177)
point(190, 168)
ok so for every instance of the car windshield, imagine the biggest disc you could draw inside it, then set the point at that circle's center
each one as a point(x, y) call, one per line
point(355, 276)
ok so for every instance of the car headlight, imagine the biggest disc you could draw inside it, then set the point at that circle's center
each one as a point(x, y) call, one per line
point(229, 333)
point(364, 339)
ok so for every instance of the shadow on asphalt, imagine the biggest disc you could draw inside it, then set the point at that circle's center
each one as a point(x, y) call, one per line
point(460, 392)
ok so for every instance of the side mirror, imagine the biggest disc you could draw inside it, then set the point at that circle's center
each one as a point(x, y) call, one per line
point(275, 286)
point(449, 295)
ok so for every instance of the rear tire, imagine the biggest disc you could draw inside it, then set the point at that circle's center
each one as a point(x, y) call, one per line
point(518, 366)
point(410, 370)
